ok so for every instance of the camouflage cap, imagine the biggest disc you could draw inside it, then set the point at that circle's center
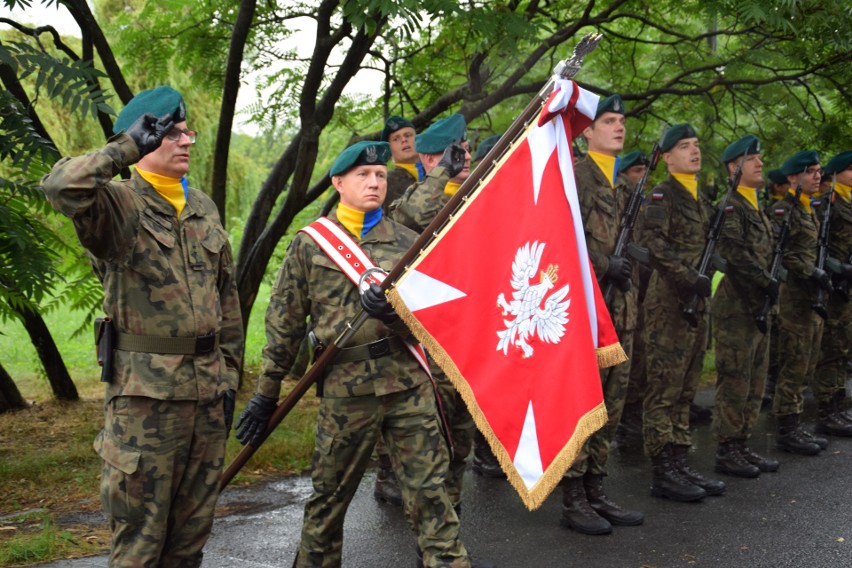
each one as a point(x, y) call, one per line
point(747, 144)
point(838, 163)
point(799, 162)
point(630, 159)
point(612, 103)
point(776, 177)
point(366, 152)
point(485, 146)
point(394, 123)
point(675, 134)
point(441, 134)
point(160, 102)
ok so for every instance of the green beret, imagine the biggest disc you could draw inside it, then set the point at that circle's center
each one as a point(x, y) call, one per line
point(838, 163)
point(366, 152)
point(441, 134)
point(776, 177)
point(612, 103)
point(747, 144)
point(634, 158)
point(799, 162)
point(394, 123)
point(675, 134)
point(160, 102)
point(485, 146)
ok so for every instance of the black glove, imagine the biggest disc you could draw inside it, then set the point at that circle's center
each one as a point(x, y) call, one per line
point(847, 271)
point(253, 421)
point(772, 289)
point(148, 132)
point(822, 279)
point(228, 402)
point(375, 302)
point(619, 268)
point(453, 159)
point(702, 286)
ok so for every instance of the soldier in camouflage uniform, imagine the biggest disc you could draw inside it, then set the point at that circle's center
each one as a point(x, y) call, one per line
point(675, 223)
point(603, 199)
point(447, 165)
point(407, 170)
point(830, 380)
point(168, 276)
point(800, 328)
point(742, 352)
point(374, 388)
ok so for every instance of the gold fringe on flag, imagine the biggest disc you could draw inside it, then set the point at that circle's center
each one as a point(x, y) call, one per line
point(610, 356)
point(532, 497)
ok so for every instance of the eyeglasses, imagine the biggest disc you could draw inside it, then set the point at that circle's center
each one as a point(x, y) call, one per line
point(813, 171)
point(174, 135)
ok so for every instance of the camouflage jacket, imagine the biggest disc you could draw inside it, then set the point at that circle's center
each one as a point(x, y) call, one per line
point(746, 244)
point(309, 284)
point(674, 230)
point(399, 179)
point(800, 257)
point(422, 201)
point(161, 276)
point(602, 208)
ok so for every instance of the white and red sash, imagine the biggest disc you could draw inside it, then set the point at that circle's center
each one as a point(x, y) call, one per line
point(353, 261)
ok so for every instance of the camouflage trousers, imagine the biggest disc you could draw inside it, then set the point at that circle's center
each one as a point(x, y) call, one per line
point(462, 429)
point(347, 432)
point(831, 371)
point(798, 352)
point(160, 480)
point(674, 357)
point(595, 452)
point(742, 360)
point(637, 380)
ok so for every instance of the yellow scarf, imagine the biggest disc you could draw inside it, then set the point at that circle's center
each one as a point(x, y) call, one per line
point(357, 222)
point(805, 200)
point(689, 181)
point(410, 168)
point(843, 191)
point(169, 188)
point(607, 165)
point(749, 193)
point(451, 188)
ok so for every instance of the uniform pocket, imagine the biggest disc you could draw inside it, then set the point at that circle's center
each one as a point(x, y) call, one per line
point(122, 495)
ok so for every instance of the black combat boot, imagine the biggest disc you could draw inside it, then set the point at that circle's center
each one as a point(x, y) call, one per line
point(577, 514)
point(818, 440)
point(731, 461)
point(792, 439)
point(762, 463)
point(843, 405)
point(669, 483)
point(387, 486)
point(831, 422)
point(610, 511)
point(710, 486)
point(484, 461)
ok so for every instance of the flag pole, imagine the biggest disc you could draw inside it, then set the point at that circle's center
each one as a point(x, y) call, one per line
point(565, 70)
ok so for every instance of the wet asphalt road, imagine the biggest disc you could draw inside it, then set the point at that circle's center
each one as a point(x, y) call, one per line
point(798, 517)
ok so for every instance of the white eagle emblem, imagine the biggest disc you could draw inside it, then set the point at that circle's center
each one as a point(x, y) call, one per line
point(530, 317)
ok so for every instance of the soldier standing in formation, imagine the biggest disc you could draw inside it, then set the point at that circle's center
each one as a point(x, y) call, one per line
point(374, 388)
point(800, 328)
point(603, 197)
point(165, 264)
point(407, 170)
point(675, 225)
point(742, 352)
point(830, 379)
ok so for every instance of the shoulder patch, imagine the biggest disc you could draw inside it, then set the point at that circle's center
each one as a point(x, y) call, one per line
point(780, 211)
point(656, 196)
point(729, 208)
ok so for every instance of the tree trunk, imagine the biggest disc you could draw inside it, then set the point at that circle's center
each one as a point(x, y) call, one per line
point(57, 374)
point(10, 396)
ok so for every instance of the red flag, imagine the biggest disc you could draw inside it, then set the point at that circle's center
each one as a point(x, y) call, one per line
point(506, 302)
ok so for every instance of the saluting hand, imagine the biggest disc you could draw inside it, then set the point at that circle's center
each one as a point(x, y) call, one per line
point(453, 159)
point(148, 132)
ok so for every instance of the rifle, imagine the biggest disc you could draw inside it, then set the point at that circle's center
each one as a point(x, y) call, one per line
point(775, 267)
point(566, 70)
point(822, 250)
point(689, 312)
point(628, 220)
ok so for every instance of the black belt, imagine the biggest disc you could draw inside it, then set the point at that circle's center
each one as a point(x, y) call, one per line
point(373, 350)
point(167, 345)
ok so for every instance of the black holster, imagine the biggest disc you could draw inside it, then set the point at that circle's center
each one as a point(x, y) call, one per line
point(317, 347)
point(105, 347)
